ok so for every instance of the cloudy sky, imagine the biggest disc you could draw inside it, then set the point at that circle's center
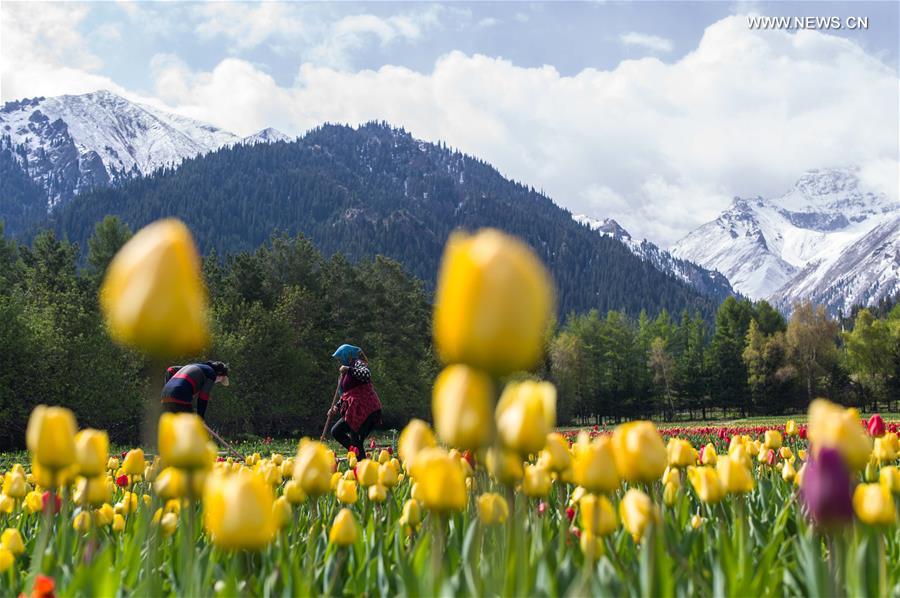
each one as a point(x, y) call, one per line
point(655, 114)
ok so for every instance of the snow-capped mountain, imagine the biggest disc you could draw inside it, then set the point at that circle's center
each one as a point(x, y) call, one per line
point(708, 282)
point(827, 239)
point(72, 143)
point(267, 135)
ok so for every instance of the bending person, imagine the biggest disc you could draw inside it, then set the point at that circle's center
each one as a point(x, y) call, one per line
point(359, 405)
point(183, 383)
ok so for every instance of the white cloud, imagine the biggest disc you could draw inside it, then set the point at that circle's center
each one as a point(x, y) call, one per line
point(654, 43)
point(248, 25)
point(486, 22)
point(661, 147)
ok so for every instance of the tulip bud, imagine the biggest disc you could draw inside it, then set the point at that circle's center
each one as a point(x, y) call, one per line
point(237, 511)
point(597, 515)
point(493, 303)
point(709, 456)
point(14, 484)
point(492, 509)
point(680, 453)
point(440, 480)
point(50, 437)
point(182, 441)
point(92, 491)
point(344, 530)
point(787, 472)
point(82, 522)
point(91, 451)
point(118, 523)
point(889, 477)
point(134, 462)
point(505, 466)
point(282, 512)
point(294, 493)
point(876, 427)
point(883, 450)
point(462, 402)
point(367, 472)
point(536, 483)
point(790, 428)
point(696, 521)
point(11, 540)
point(637, 512)
point(414, 437)
point(594, 465)
point(734, 476)
point(525, 414)
point(874, 504)
point(772, 439)
point(346, 492)
point(153, 297)
point(639, 452)
point(706, 482)
point(825, 488)
point(388, 475)
point(313, 467)
point(556, 448)
point(412, 514)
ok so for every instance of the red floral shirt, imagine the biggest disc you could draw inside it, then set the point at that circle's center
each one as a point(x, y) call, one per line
point(358, 401)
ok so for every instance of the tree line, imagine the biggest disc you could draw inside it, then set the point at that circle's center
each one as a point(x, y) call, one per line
point(753, 361)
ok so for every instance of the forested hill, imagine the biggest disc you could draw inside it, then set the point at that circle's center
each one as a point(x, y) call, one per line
point(377, 190)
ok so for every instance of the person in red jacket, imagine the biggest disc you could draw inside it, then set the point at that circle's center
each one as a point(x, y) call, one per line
point(359, 405)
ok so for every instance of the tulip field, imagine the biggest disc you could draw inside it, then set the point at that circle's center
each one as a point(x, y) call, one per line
point(634, 510)
point(491, 500)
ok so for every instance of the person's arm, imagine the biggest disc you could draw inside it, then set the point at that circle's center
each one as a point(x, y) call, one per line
point(171, 371)
point(203, 397)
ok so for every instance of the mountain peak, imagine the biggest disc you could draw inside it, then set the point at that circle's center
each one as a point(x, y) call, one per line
point(606, 226)
point(267, 135)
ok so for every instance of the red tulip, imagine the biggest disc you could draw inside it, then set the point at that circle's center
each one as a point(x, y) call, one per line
point(876, 426)
point(122, 481)
point(570, 513)
point(542, 508)
point(57, 502)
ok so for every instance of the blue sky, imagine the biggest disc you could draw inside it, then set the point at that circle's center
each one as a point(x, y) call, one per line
point(655, 113)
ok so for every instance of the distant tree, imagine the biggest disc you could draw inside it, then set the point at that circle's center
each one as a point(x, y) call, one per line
point(663, 367)
point(870, 354)
point(110, 234)
point(812, 344)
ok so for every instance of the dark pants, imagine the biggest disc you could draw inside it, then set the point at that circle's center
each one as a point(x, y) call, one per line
point(343, 433)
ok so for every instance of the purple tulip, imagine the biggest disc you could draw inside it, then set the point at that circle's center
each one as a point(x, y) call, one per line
point(827, 490)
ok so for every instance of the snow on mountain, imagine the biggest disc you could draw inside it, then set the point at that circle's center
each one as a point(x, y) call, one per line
point(816, 241)
point(267, 135)
point(72, 143)
point(708, 282)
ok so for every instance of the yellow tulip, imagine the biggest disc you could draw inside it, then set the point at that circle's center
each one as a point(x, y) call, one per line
point(525, 414)
point(183, 441)
point(351, 460)
point(128, 504)
point(367, 472)
point(14, 484)
point(874, 504)
point(313, 467)
point(50, 437)
point(892, 440)
point(412, 513)
point(672, 475)
point(134, 462)
point(91, 451)
point(346, 492)
point(11, 540)
point(639, 451)
point(833, 426)
point(889, 477)
point(597, 515)
point(462, 403)
point(118, 523)
point(790, 428)
point(505, 466)
point(883, 450)
point(153, 297)
point(536, 483)
point(344, 530)
point(772, 439)
point(493, 303)
point(377, 493)
point(709, 455)
point(414, 437)
point(294, 493)
point(594, 465)
point(696, 521)
point(82, 522)
point(680, 453)
point(237, 511)
point(786, 453)
point(112, 464)
point(33, 502)
point(492, 509)
point(171, 483)
point(6, 560)
point(335, 478)
point(706, 482)
point(441, 481)
point(735, 476)
point(287, 468)
point(282, 512)
point(788, 473)
point(556, 448)
point(92, 491)
point(637, 512)
point(388, 475)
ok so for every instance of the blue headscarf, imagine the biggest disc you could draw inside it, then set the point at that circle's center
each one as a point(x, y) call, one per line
point(347, 353)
